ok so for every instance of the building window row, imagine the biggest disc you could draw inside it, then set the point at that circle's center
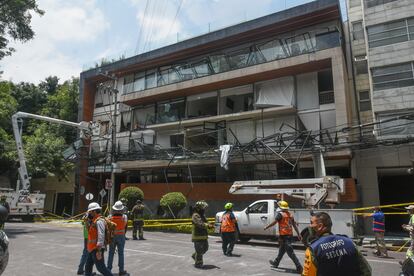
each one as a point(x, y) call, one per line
point(373, 3)
point(391, 32)
point(257, 53)
point(271, 93)
point(393, 76)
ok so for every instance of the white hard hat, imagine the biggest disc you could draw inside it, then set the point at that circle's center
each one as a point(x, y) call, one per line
point(93, 206)
point(118, 206)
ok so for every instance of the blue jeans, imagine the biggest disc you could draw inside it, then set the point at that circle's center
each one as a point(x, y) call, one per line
point(84, 257)
point(119, 242)
point(100, 264)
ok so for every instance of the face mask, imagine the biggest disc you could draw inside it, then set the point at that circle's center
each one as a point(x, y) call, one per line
point(90, 216)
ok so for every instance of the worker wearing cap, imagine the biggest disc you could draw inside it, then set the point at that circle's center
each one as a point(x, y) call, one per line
point(378, 227)
point(228, 229)
point(199, 232)
point(120, 219)
point(330, 254)
point(138, 220)
point(286, 223)
point(410, 228)
point(96, 241)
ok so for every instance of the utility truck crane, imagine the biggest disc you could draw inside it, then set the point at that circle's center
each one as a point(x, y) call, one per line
point(22, 202)
point(312, 191)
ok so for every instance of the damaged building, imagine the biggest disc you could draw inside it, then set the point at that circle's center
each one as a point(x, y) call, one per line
point(269, 92)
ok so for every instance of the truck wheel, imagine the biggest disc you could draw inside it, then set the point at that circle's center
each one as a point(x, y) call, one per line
point(28, 218)
point(241, 238)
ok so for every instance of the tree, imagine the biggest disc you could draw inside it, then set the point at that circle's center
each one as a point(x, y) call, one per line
point(173, 203)
point(29, 97)
point(131, 194)
point(63, 104)
point(7, 109)
point(15, 19)
point(50, 85)
point(44, 151)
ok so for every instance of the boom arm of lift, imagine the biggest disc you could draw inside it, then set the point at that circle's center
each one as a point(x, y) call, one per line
point(24, 186)
point(311, 190)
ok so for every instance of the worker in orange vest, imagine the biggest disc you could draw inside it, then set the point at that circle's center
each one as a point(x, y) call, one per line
point(286, 223)
point(228, 229)
point(96, 241)
point(120, 219)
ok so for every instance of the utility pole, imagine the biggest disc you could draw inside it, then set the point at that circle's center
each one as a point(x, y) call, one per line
point(114, 147)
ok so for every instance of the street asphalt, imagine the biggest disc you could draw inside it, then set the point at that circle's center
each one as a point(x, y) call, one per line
point(55, 249)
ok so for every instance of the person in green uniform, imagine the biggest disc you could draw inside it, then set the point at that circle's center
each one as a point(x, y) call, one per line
point(199, 232)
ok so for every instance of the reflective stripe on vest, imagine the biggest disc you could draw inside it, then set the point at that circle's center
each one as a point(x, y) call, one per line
point(120, 224)
point(285, 224)
point(227, 223)
point(378, 222)
point(93, 235)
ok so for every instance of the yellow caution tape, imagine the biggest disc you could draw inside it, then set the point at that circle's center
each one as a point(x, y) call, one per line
point(383, 206)
point(369, 214)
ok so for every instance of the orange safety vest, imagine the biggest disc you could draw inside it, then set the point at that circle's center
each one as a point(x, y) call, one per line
point(93, 235)
point(285, 224)
point(227, 224)
point(120, 224)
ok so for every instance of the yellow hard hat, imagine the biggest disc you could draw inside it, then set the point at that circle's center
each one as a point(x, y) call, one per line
point(283, 205)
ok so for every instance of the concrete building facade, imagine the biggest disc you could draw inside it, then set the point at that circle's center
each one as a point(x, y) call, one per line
point(174, 107)
point(381, 39)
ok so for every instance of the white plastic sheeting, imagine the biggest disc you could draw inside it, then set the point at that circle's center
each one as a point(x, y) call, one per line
point(310, 120)
point(244, 131)
point(277, 92)
point(307, 91)
point(225, 153)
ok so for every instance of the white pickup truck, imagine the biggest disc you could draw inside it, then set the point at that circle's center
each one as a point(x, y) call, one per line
point(256, 216)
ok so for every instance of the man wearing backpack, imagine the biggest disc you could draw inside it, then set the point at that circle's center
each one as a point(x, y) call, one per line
point(96, 241)
point(120, 219)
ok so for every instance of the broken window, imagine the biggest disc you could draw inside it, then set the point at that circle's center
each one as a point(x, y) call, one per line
point(300, 44)
point(170, 111)
point(143, 116)
point(240, 58)
point(150, 79)
point(202, 105)
point(236, 99)
point(273, 50)
point(327, 40)
point(104, 127)
point(139, 82)
point(326, 87)
point(129, 84)
point(176, 140)
point(219, 63)
point(98, 98)
point(198, 139)
point(202, 68)
point(125, 121)
point(167, 76)
point(186, 72)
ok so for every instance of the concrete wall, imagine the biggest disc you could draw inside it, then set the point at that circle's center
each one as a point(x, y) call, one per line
point(51, 186)
point(366, 162)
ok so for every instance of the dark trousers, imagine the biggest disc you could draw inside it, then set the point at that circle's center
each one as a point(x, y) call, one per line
point(201, 247)
point(285, 246)
point(84, 256)
point(229, 239)
point(100, 264)
point(138, 225)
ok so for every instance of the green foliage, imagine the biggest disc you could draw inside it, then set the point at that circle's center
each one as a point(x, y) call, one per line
point(44, 153)
point(173, 202)
point(29, 97)
point(132, 194)
point(7, 109)
point(15, 19)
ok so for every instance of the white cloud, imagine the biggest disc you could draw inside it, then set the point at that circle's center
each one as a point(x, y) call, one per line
point(66, 26)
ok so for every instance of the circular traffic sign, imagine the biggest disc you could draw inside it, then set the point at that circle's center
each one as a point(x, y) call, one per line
point(89, 196)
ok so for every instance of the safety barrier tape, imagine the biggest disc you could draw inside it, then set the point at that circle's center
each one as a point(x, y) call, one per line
point(383, 206)
point(369, 214)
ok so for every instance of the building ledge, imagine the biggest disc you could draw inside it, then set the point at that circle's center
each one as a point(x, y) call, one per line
point(265, 113)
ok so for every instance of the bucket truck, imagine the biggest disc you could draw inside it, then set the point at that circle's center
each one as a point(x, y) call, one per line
point(22, 202)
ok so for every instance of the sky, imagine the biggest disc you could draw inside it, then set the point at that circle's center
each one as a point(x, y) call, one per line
point(73, 35)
